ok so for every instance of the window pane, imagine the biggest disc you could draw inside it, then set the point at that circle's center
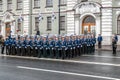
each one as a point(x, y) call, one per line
point(62, 2)
point(36, 23)
point(49, 23)
point(19, 26)
point(0, 5)
point(49, 2)
point(0, 25)
point(62, 22)
point(19, 4)
point(36, 3)
point(9, 4)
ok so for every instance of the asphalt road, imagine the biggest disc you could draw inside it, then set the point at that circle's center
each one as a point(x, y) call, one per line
point(101, 66)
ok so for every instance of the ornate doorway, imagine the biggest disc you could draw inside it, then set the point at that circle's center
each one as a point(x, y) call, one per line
point(8, 29)
point(88, 25)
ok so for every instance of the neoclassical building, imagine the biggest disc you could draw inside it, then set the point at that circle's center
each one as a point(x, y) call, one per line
point(60, 17)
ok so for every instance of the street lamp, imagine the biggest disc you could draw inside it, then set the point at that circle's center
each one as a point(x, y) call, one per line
point(53, 16)
point(59, 1)
point(40, 18)
point(20, 19)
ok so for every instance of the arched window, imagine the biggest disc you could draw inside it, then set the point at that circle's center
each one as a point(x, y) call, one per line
point(118, 25)
point(89, 19)
point(84, 0)
point(81, 1)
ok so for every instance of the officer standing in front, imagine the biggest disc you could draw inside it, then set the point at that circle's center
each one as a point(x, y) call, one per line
point(114, 45)
point(99, 39)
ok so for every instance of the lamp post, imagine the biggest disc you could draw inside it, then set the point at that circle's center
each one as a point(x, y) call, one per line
point(59, 1)
point(20, 20)
point(40, 18)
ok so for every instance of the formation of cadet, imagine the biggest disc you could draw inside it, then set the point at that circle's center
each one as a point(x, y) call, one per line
point(51, 47)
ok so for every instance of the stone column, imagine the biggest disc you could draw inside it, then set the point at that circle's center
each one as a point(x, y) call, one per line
point(3, 29)
point(107, 21)
point(13, 27)
point(26, 11)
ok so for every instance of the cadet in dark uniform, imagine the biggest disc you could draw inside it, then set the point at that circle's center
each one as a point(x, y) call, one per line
point(45, 47)
point(52, 47)
point(64, 48)
point(74, 54)
point(57, 45)
point(35, 47)
point(80, 45)
point(84, 45)
point(40, 45)
point(13, 46)
point(69, 46)
point(31, 46)
point(91, 44)
point(23, 44)
point(28, 46)
point(7, 46)
point(18, 46)
point(2, 45)
point(77, 46)
point(10, 45)
point(94, 42)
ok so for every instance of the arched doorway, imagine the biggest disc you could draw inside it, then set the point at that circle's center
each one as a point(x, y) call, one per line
point(88, 25)
point(8, 24)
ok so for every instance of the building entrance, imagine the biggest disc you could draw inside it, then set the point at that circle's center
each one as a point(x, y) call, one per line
point(8, 29)
point(88, 25)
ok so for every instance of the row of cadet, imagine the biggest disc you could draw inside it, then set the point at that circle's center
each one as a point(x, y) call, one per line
point(50, 47)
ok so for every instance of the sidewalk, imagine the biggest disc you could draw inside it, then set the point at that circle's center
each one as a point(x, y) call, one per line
point(108, 47)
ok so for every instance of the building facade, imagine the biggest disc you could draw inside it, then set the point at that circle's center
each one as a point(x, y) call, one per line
point(60, 17)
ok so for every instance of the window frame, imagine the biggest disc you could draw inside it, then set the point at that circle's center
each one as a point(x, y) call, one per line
point(19, 26)
point(49, 4)
point(38, 3)
point(64, 2)
point(19, 2)
point(9, 2)
point(1, 4)
point(36, 23)
point(49, 23)
point(61, 22)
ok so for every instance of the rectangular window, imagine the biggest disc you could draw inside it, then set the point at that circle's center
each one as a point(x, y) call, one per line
point(19, 26)
point(62, 22)
point(0, 5)
point(49, 23)
point(0, 25)
point(37, 3)
point(9, 4)
point(36, 23)
point(118, 29)
point(19, 4)
point(62, 2)
point(49, 3)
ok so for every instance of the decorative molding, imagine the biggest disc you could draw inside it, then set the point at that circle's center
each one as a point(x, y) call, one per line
point(86, 7)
